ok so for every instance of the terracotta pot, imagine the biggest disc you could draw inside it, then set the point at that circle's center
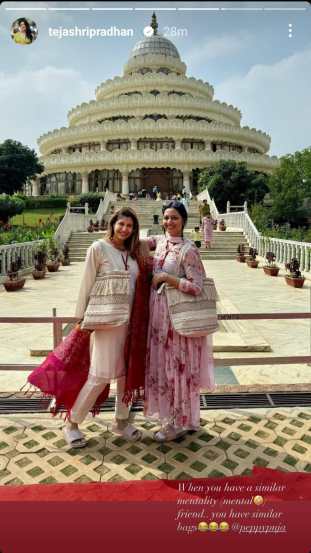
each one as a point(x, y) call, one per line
point(221, 227)
point(13, 285)
point(295, 282)
point(53, 266)
point(241, 258)
point(272, 271)
point(37, 275)
point(253, 263)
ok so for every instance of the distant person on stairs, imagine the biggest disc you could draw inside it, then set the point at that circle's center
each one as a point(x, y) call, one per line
point(196, 237)
point(207, 225)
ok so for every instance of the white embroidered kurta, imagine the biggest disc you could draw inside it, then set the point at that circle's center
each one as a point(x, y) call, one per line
point(107, 346)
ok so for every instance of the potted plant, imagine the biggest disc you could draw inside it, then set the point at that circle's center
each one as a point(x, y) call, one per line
point(14, 282)
point(65, 256)
point(90, 228)
point(96, 226)
point(214, 223)
point(251, 258)
point(271, 268)
point(222, 225)
point(294, 278)
point(241, 253)
point(40, 258)
point(53, 255)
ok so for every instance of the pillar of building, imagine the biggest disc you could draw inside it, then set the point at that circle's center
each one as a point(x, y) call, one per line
point(85, 183)
point(133, 144)
point(103, 145)
point(208, 145)
point(35, 187)
point(177, 144)
point(125, 184)
point(186, 181)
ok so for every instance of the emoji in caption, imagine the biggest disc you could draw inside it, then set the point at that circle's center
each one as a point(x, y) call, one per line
point(148, 31)
point(224, 526)
point(213, 526)
point(202, 526)
point(258, 500)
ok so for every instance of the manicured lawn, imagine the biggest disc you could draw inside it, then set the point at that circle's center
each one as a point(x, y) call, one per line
point(31, 218)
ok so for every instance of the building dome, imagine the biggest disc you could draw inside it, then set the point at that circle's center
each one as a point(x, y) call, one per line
point(156, 44)
point(152, 126)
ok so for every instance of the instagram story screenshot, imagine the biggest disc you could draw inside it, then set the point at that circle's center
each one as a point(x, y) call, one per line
point(155, 276)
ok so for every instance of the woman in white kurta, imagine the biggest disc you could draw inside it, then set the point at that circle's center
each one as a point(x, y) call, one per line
point(107, 346)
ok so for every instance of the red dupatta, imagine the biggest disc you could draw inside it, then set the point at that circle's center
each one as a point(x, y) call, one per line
point(136, 342)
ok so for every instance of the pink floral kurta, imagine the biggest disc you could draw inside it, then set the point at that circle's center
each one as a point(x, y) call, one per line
point(177, 366)
point(207, 224)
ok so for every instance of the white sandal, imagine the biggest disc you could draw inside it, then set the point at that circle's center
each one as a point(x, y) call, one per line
point(168, 434)
point(74, 437)
point(129, 432)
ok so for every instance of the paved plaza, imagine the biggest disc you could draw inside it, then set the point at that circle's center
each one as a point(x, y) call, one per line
point(241, 290)
point(230, 442)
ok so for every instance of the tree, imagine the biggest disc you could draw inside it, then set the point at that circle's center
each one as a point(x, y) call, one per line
point(229, 180)
point(17, 164)
point(10, 206)
point(290, 189)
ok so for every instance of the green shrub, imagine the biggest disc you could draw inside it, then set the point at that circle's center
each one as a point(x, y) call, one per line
point(10, 206)
point(24, 234)
point(44, 202)
point(92, 198)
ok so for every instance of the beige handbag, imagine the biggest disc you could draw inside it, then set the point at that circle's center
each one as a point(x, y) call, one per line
point(109, 302)
point(193, 316)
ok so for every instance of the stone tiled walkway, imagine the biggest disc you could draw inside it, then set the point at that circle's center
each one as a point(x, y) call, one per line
point(33, 450)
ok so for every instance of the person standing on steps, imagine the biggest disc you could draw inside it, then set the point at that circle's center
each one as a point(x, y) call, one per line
point(207, 225)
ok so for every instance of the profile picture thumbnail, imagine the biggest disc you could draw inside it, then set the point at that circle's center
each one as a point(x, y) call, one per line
point(24, 31)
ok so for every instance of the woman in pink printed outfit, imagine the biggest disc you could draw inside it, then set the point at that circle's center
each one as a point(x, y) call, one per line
point(207, 225)
point(177, 366)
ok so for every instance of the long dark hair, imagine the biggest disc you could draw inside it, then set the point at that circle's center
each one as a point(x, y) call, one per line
point(131, 243)
point(28, 32)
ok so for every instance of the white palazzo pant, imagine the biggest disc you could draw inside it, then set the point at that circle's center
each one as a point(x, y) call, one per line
point(89, 393)
point(107, 364)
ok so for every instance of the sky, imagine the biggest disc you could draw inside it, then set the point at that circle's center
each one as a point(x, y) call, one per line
point(245, 53)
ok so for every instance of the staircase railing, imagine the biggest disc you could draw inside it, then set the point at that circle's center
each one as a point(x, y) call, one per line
point(71, 222)
point(77, 222)
point(11, 252)
point(104, 205)
point(284, 250)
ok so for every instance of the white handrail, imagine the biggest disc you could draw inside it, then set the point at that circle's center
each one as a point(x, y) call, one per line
point(284, 250)
point(104, 205)
point(24, 250)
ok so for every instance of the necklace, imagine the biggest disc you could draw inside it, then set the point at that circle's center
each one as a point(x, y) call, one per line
point(124, 259)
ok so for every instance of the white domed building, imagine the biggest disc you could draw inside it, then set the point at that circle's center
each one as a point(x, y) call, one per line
point(152, 126)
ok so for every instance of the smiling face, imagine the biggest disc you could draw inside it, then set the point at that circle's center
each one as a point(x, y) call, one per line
point(173, 222)
point(22, 27)
point(123, 228)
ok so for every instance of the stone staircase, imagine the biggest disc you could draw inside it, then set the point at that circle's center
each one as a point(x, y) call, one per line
point(79, 243)
point(224, 244)
point(145, 209)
